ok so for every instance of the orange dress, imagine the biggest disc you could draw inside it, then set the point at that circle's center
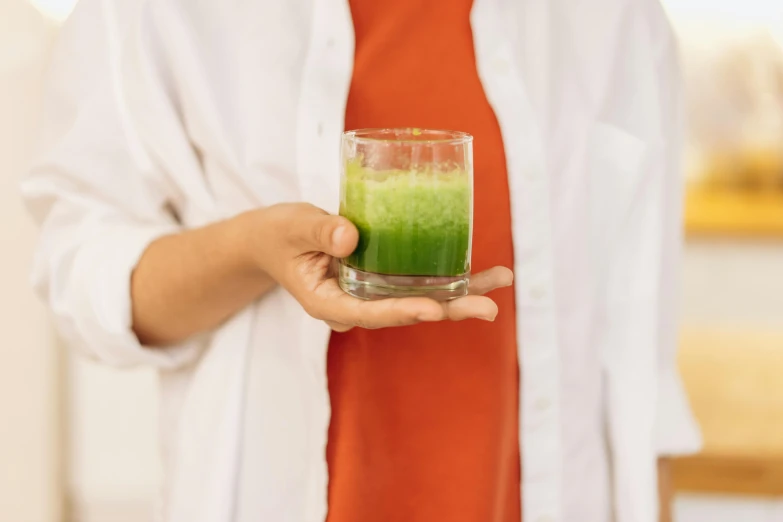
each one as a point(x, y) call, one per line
point(425, 419)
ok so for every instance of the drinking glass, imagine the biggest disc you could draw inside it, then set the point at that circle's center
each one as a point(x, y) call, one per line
point(410, 194)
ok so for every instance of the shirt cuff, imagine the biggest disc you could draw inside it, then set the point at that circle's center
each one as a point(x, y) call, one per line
point(101, 322)
point(677, 430)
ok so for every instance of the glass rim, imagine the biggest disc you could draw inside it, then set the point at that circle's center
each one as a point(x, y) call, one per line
point(448, 137)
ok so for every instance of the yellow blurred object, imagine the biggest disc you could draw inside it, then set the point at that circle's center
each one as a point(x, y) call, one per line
point(739, 194)
point(750, 169)
point(735, 383)
point(721, 212)
point(735, 109)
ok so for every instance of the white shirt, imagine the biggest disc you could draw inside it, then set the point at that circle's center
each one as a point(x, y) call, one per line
point(205, 109)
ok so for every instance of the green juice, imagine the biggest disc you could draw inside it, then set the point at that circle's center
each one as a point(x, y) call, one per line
point(410, 223)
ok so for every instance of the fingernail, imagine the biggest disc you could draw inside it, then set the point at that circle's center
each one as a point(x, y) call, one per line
point(337, 235)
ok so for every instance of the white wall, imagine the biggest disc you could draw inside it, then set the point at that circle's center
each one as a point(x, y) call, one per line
point(696, 508)
point(737, 283)
point(29, 417)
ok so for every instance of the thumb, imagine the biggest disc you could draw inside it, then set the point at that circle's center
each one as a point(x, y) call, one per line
point(333, 235)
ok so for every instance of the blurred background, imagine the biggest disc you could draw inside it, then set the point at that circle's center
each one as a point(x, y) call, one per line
point(78, 441)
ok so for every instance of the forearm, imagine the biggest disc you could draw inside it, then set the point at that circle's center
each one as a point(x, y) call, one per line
point(191, 282)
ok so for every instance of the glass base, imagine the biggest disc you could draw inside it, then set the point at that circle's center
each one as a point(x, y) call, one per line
point(371, 286)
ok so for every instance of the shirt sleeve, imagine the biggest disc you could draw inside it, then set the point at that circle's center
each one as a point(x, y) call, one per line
point(647, 411)
point(99, 198)
point(676, 429)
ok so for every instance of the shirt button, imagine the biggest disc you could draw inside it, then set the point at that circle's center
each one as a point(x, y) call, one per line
point(330, 43)
point(501, 66)
point(537, 292)
point(320, 129)
point(545, 518)
point(542, 404)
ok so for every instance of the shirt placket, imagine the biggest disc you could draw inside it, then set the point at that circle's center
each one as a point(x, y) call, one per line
point(326, 79)
point(540, 422)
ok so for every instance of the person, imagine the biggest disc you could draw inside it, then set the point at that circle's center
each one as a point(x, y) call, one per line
point(187, 195)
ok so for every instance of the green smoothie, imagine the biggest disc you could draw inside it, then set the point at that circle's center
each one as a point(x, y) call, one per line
point(410, 223)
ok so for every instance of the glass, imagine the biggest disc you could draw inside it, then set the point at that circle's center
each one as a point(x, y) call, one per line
point(410, 194)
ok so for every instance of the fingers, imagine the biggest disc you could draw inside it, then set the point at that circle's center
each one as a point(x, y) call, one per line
point(489, 280)
point(316, 230)
point(471, 307)
point(413, 310)
point(342, 311)
point(331, 304)
point(386, 312)
point(338, 327)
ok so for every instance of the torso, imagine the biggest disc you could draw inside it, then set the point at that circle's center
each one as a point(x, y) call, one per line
point(425, 418)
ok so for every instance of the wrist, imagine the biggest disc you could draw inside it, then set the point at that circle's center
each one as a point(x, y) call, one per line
point(245, 233)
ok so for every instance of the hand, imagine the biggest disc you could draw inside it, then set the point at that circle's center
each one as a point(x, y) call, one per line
point(297, 247)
